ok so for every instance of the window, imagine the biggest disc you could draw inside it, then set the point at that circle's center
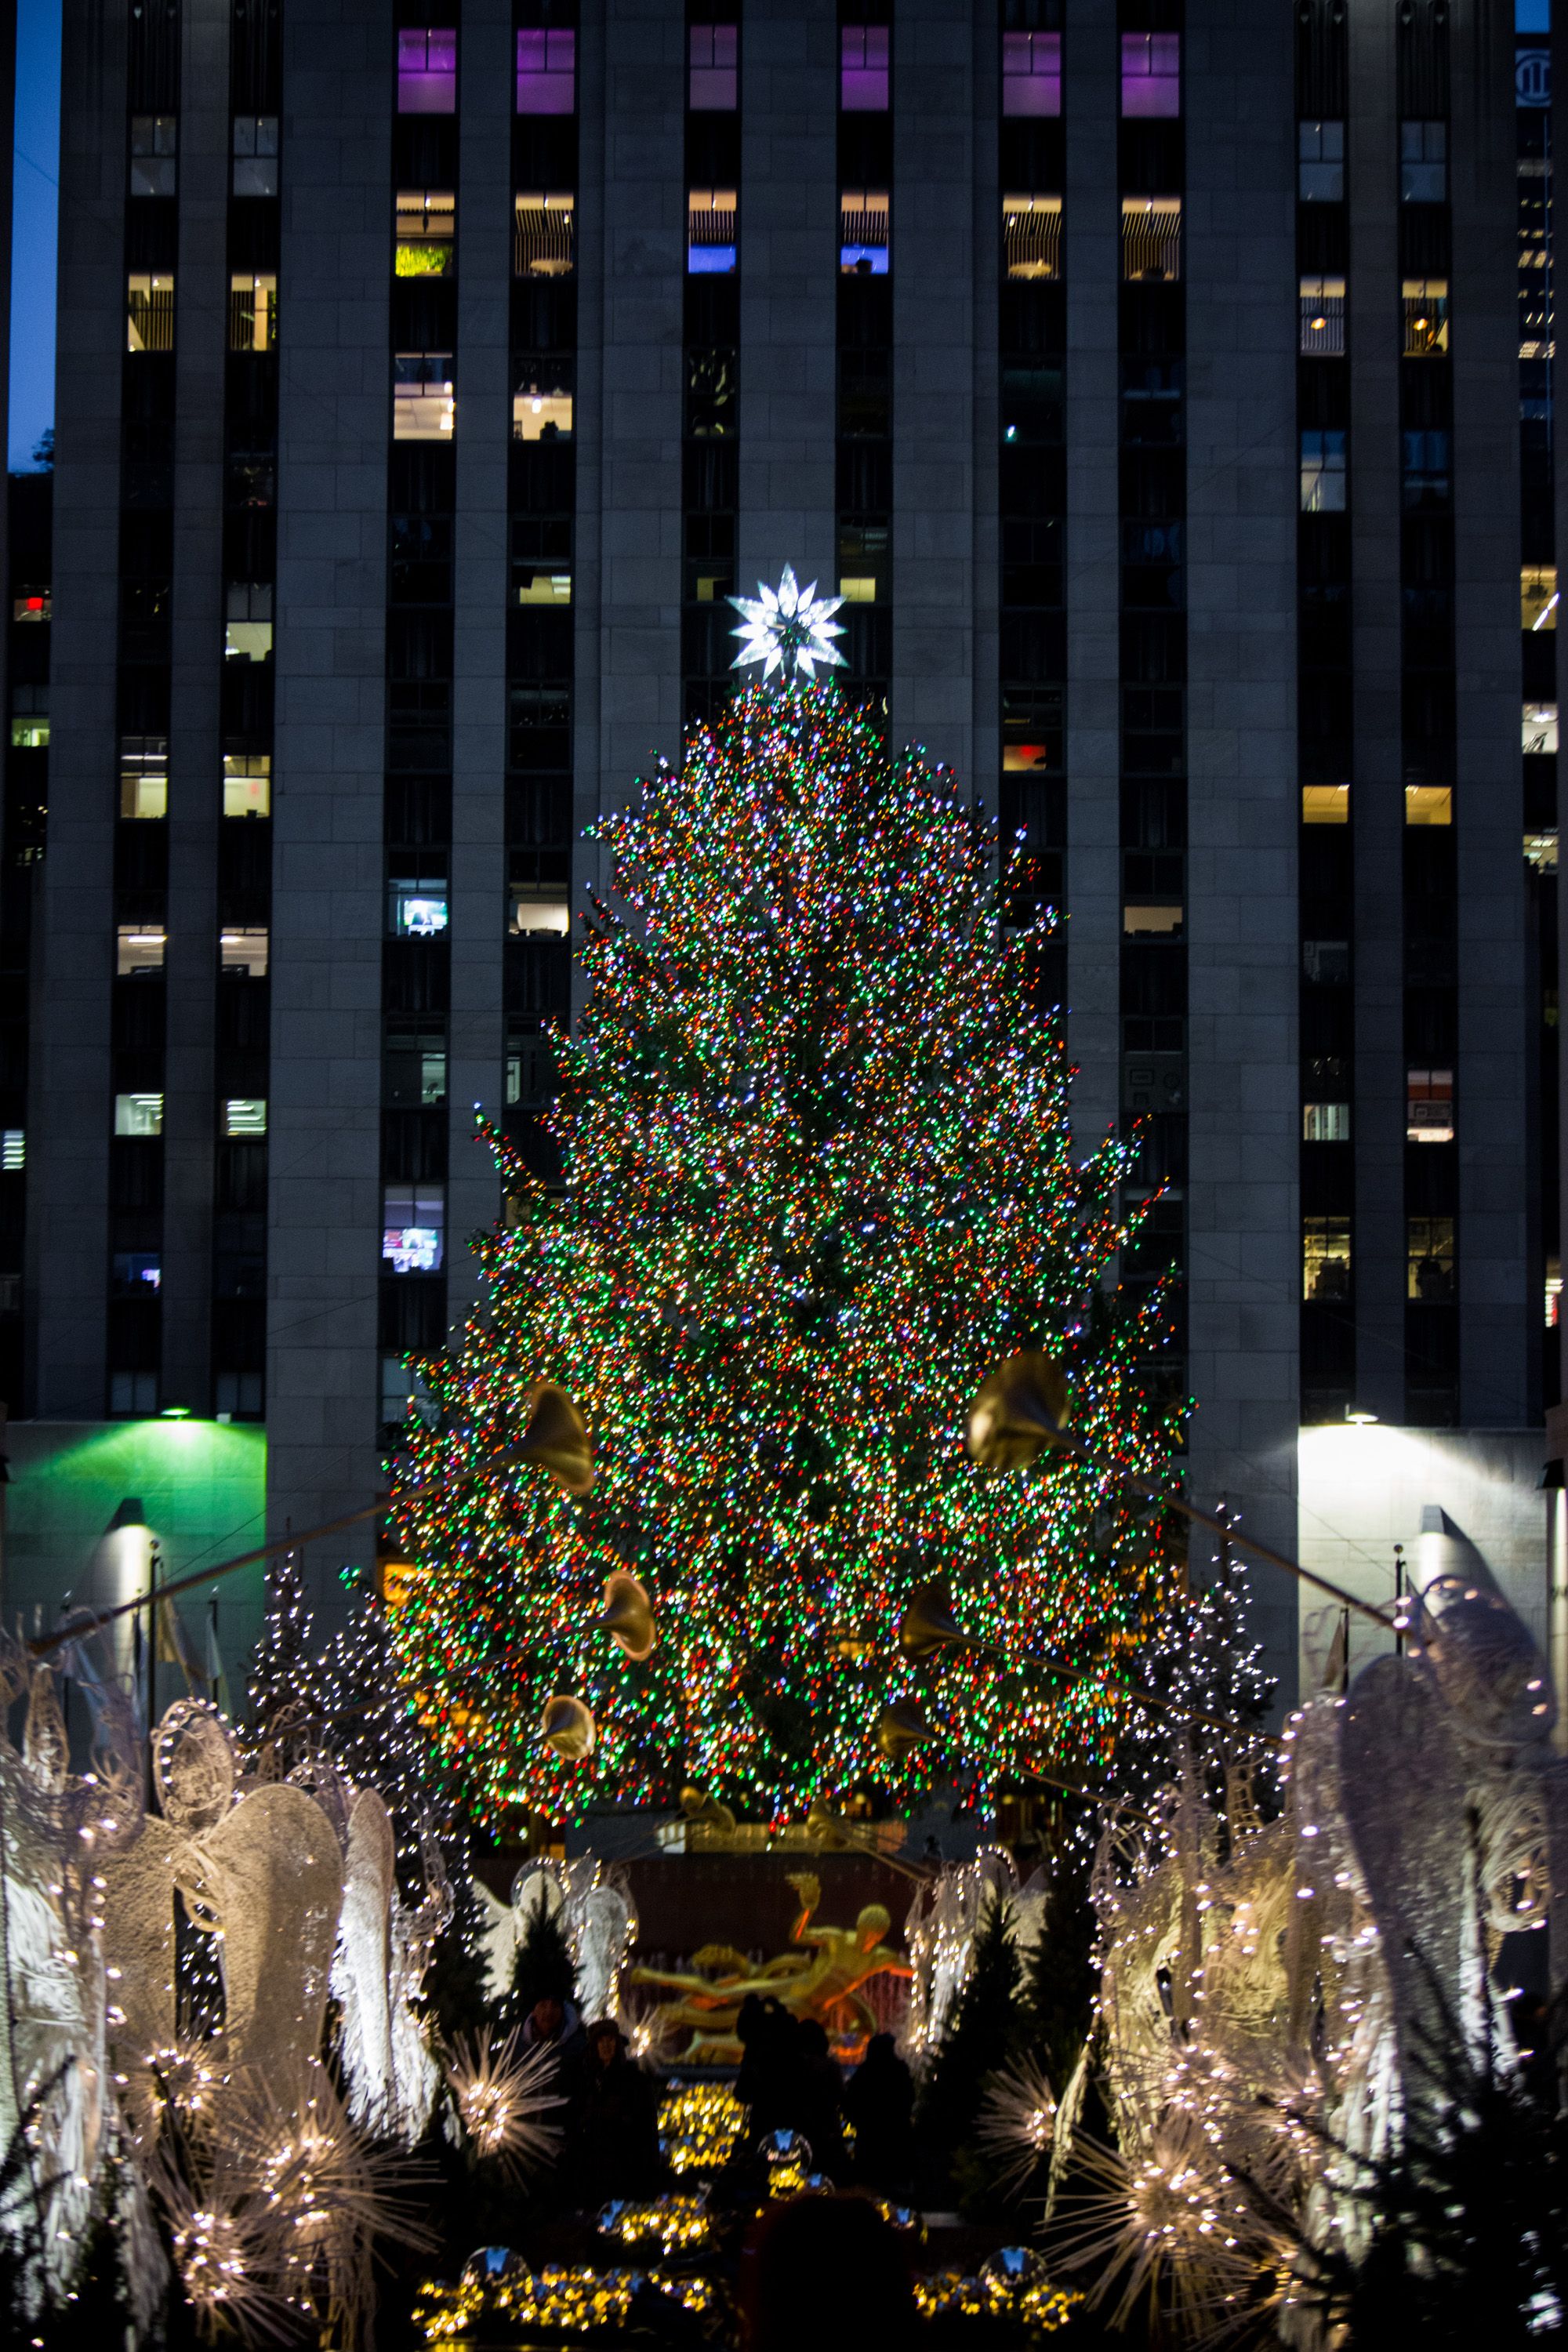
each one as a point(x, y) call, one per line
point(32, 604)
point(543, 243)
point(1032, 237)
point(535, 915)
point(133, 1392)
point(248, 630)
point(139, 1115)
point(541, 403)
point(1325, 1259)
point(1325, 1122)
point(413, 1228)
point(427, 72)
point(29, 717)
point(252, 312)
point(1323, 318)
point(1031, 73)
point(863, 70)
point(714, 84)
point(863, 232)
point(135, 1272)
point(1541, 852)
point(1323, 473)
point(1150, 73)
point(237, 1396)
point(1150, 237)
point(244, 1117)
point(1325, 804)
point(530, 1069)
point(416, 909)
point(1148, 921)
point(1321, 163)
point(425, 224)
point(1429, 1107)
point(247, 783)
point(256, 154)
point(1537, 598)
point(139, 948)
point(710, 232)
point(1425, 479)
point(1326, 962)
point(150, 311)
point(1423, 163)
point(1428, 804)
point(1538, 729)
point(242, 954)
point(542, 587)
point(547, 72)
point(413, 1074)
point(1553, 1288)
point(423, 403)
point(144, 775)
point(153, 140)
point(1429, 1259)
point(13, 1151)
point(1426, 308)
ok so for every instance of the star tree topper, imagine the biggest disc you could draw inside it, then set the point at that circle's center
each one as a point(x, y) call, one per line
point(788, 628)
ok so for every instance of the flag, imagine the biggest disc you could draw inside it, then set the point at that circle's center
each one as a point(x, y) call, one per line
point(175, 1645)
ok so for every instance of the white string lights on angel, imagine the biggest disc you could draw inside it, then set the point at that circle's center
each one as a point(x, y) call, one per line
point(1271, 1992)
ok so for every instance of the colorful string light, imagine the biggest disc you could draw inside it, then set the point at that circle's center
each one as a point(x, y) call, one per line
point(818, 1179)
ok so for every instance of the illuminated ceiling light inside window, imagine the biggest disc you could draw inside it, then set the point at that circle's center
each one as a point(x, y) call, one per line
point(1358, 1419)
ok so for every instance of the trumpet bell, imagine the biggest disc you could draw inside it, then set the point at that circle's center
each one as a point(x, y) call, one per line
point(629, 1615)
point(928, 1624)
point(557, 1438)
point(902, 1726)
point(567, 1725)
point(1019, 1410)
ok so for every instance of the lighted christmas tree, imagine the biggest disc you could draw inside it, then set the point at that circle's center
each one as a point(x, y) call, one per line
point(818, 1181)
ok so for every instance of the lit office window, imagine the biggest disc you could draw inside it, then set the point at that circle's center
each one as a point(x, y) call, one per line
point(1537, 598)
point(13, 1151)
point(144, 775)
point(139, 948)
point(536, 915)
point(416, 909)
point(1325, 1122)
point(1428, 804)
point(1323, 318)
point(542, 402)
point(1425, 304)
point(29, 717)
point(547, 71)
point(711, 249)
point(252, 311)
point(1150, 238)
point(863, 70)
point(150, 311)
point(544, 243)
point(1323, 473)
point(1429, 1107)
point(414, 1219)
point(139, 1115)
point(1325, 1259)
point(424, 396)
point(1325, 804)
point(247, 783)
point(1538, 729)
point(248, 629)
point(244, 1117)
point(863, 233)
point(1429, 1259)
point(425, 225)
point(1150, 74)
point(1032, 236)
point(427, 71)
point(135, 1272)
point(242, 954)
point(1031, 73)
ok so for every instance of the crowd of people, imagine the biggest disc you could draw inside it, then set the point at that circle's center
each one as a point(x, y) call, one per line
point(789, 2080)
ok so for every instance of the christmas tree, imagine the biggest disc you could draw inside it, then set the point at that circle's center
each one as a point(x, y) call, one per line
point(818, 1179)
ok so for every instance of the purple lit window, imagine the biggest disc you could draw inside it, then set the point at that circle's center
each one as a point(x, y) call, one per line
point(863, 74)
point(1031, 73)
point(714, 80)
point(547, 73)
point(427, 72)
point(1150, 73)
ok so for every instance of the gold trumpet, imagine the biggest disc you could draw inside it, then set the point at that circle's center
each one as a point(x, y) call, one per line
point(1019, 1410)
point(629, 1617)
point(703, 1811)
point(567, 1725)
point(557, 1438)
point(899, 1726)
point(928, 1624)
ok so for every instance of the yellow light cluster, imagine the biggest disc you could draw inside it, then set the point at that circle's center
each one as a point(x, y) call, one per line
point(1034, 2304)
point(698, 2126)
point(677, 2225)
point(571, 2300)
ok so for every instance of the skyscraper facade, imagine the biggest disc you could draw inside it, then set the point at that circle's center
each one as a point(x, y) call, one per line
point(1165, 385)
